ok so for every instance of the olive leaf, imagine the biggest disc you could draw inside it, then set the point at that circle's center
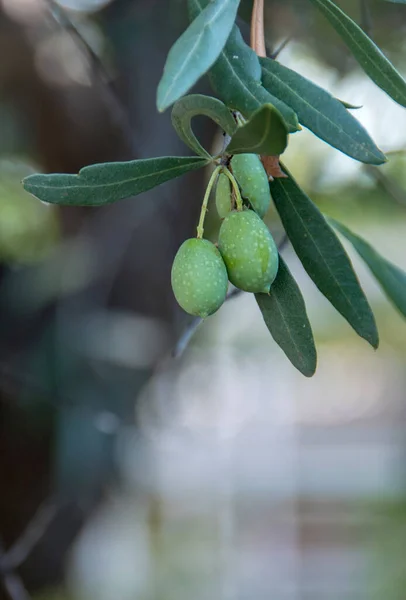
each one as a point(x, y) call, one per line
point(236, 79)
point(196, 50)
point(236, 76)
point(323, 256)
point(349, 105)
point(100, 184)
point(264, 133)
point(197, 104)
point(320, 112)
point(367, 54)
point(391, 278)
point(284, 313)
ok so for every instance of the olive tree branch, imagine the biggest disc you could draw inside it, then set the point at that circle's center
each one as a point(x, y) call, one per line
point(12, 582)
point(35, 530)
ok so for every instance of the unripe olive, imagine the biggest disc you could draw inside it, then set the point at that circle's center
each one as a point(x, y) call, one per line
point(199, 277)
point(249, 251)
point(223, 195)
point(253, 181)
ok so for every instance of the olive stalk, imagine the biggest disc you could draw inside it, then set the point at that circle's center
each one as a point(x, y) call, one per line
point(236, 189)
point(200, 229)
point(257, 28)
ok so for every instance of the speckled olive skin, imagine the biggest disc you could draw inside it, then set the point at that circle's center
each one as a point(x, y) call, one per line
point(223, 196)
point(199, 277)
point(249, 251)
point(253, 181)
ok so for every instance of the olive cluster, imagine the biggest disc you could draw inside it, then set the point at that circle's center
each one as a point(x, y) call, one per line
point(246, 254)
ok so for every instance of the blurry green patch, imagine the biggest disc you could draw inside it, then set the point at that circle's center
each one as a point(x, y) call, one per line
point(29, 229)
point(386, 568)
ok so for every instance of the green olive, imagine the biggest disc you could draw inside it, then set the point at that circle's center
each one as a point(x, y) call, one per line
point(249, 251)
point(253, 181)
point(223, 195)
point(199, 277)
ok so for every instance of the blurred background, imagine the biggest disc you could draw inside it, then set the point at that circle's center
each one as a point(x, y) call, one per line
point(135, 465)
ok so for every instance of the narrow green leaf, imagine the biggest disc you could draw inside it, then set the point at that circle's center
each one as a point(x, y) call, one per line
point(323, 256)
point(264, 133)
point(196, 50)
point(236, 79)
point(367, 54)
point(391, 278)
point(284, 313)
point(236, 76)
point(320, 112)
point(397, 1)
point(349, 106)
point(100, 184)
point(196, 104)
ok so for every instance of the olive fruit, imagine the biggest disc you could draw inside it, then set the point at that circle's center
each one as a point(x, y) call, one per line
point(199, 277)
point(253, 181)
point(223, 195)
point(249, 251)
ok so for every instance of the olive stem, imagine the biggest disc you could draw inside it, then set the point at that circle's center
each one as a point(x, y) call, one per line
point(236, 189)
point(257, 28)
point(205, 202)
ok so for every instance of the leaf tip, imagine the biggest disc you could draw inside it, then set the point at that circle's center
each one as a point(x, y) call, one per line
point(162, 99)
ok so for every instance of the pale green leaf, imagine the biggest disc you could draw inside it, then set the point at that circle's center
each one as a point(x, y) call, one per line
point(196, 50)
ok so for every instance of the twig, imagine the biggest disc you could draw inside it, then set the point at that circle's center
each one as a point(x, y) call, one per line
point(393, 189)
point(15, 587)
point(281, 47)
point(257, 28)
point(13, 583)
point(112, 101)
point(36, 529)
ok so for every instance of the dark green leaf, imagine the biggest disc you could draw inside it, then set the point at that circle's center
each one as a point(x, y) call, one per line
point(391, 278)
point(264, 133)
point(323, 256)
point(284, 313)
point(348, 105)
point(236, 79)
point(368, 55)
point(196, 104)
point(100, 184)
point(236, 76)
point(320, 112)
point(196, 50)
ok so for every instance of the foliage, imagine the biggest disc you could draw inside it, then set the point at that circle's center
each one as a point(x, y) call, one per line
point(258, 103)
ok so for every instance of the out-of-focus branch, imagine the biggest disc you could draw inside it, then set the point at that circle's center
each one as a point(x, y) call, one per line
point(116, 108)
point(36, 529)
point(393, 189)
point(279, 49)
point(12, 582)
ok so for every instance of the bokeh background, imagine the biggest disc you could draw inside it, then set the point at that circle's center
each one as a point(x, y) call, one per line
point(137, 461)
